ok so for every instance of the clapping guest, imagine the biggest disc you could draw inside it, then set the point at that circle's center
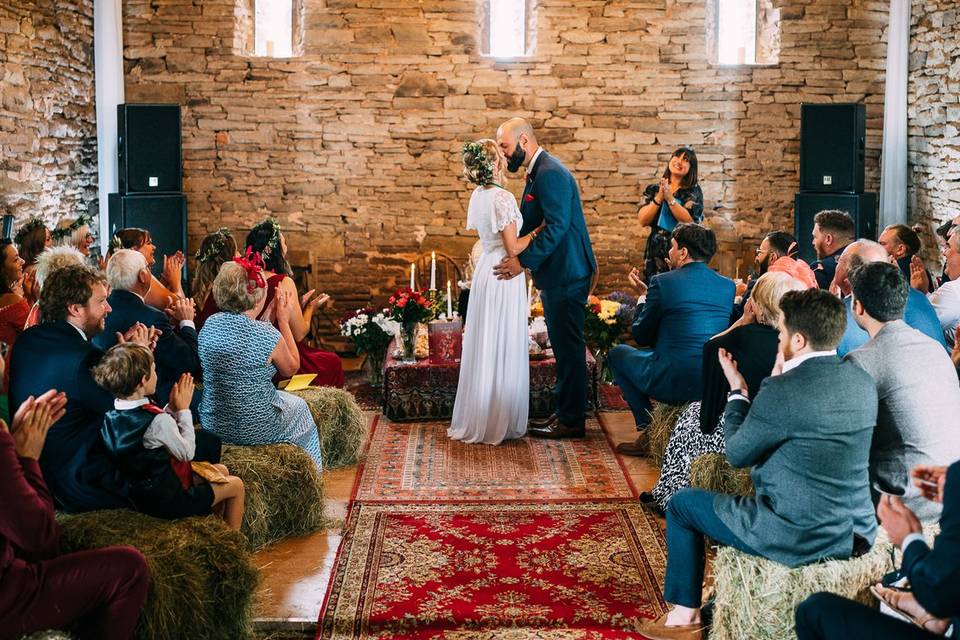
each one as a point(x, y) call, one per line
point(832, 231)
point(14, 308)
point(753, 342)
point(32, 239)
point(916, 383)
point(99, 593)
point(74, 232)
point(809, 459)
point(946, 298)
point(776, 253)
point(161, 294)
point(902, 243)
point(267, 239)
point(677, 198)
point(215, 249)
point(240, 356)
point(685, 307)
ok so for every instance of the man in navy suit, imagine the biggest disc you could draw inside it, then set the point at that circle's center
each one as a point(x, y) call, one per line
point(176, 351)
point(562, 264)
point(685, 307)
point(833, 230)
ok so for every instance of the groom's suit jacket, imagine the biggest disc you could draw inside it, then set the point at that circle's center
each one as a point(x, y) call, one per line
point(561, 254)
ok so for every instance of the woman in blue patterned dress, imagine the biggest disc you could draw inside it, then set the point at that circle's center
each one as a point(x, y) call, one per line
point(240, 356)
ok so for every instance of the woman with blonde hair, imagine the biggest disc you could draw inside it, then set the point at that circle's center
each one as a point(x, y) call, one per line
point(753, 341)
point(493, 391)
point(74, 232)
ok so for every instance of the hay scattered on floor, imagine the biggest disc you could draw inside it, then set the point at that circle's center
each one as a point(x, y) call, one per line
point(283, 489)
point(341, 424)
point(712, 472)
point(756, 598)
point(663, 419)
point(202, 580)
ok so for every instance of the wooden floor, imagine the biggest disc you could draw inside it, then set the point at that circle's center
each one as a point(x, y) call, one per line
point(295, 572)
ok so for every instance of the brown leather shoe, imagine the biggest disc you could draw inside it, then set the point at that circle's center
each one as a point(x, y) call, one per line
point(639, 447)
point(544, 423)
point(657, 630)
point(557, 431)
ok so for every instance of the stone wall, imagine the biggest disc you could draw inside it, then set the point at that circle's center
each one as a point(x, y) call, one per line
point(48, 140)
point(354, 145)
point(933, 115)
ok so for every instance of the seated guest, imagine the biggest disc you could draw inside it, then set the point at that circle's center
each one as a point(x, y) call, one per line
point(161, 294)
point(916, 382)
point(58, 354)
point(74, 232)
point(267, 239)
point(14, 308)
point(919, 313)
point(685, 307)
point(128, 275)
point(776, 253)
point(934, 574)
point(98, 593)
point(832, 231)
point(809, 457)
point(946, 298)
point(215, 249)
point(240, 356)
point(31, 239)
point(752, 341)
point(153, 447)
point(902, 243)
point(47, 262)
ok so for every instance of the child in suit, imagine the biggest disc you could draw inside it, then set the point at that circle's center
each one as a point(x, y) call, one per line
point(153, 447)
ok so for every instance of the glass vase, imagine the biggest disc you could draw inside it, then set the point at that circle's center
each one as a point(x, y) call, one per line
point(408, 343)
point(375, 360)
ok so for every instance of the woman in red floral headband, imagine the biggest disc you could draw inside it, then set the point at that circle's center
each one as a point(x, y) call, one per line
point(240, 356)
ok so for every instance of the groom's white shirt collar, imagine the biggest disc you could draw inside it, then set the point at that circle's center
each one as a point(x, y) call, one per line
point(533, 160)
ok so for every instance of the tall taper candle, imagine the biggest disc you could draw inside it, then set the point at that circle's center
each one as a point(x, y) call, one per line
point(529, 296)
point(449, 303)
point(413, 275)
point(433, 271)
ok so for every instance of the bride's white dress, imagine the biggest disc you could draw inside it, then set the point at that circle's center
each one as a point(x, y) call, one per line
point(493, 394)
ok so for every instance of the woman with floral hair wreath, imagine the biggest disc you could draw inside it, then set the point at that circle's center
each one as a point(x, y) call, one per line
point(216, 248)
point(74, 232)
point(267, 239)
point(32, 238)
point(162, 293)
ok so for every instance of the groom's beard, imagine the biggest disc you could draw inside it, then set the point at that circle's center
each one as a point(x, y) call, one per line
point(515, 161)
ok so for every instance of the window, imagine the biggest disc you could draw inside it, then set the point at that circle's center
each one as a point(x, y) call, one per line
point(505, 28)
point(744, 32)
point(273, 28)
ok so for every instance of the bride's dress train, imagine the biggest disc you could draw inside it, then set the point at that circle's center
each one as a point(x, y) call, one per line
point(493, 393)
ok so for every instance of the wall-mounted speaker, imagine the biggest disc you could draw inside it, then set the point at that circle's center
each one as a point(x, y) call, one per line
point(148, 148)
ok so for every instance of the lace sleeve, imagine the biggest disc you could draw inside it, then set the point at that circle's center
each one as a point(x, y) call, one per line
point(505, 211)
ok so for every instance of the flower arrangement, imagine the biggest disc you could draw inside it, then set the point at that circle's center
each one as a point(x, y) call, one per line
point(371, 332)
point(409, 308)
point(607, 319)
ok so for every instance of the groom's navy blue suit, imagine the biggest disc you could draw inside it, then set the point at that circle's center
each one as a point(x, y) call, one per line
point(561, 262)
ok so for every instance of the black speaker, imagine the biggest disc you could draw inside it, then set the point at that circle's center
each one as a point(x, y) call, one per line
point(832, 147)
point(862, 207)
point(148, 148)
point(163, 215)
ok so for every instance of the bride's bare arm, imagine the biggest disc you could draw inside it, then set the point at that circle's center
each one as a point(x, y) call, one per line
point(514, 245)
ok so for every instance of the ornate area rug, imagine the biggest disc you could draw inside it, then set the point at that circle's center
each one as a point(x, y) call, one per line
point(611, 398)
point(412, 462)
point(558, 570)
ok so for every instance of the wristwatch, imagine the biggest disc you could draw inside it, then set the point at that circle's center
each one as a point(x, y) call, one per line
point(737, 392)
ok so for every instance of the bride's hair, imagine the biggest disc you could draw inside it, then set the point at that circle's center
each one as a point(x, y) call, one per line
point(480, 160)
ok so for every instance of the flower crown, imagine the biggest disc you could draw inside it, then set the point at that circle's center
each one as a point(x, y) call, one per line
point(83, 220)
point(28, 227)
point(273, 244)
point(474, 154)
point(216, 247)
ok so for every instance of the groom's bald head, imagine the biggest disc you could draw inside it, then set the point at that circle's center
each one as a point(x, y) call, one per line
point(517, 133)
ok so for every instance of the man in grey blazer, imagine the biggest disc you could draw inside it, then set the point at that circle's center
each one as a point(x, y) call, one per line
point(806, 433)
point(917, 386)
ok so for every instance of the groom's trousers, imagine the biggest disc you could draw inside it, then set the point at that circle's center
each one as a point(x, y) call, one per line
point(565, 310)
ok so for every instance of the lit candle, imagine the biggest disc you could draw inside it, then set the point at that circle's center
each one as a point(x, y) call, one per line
point(449, 303)
point(529, 296)
point(413, 275)
point(433, 271)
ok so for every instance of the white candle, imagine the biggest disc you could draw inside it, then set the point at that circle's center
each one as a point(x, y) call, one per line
point(529, 297)
point(433, 271)
point(413, 275)
point(449, 303)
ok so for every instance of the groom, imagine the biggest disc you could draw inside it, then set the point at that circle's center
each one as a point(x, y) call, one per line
point(561, 262)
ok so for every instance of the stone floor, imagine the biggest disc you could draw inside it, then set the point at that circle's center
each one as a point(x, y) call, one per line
point(295, 572)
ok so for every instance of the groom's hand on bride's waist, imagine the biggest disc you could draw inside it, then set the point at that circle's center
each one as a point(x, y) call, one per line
point(508, 268)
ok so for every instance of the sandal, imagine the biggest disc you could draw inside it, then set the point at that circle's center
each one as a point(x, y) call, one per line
point(939, 628)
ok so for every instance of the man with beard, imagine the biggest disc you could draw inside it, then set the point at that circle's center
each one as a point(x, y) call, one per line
point(832, 231)
point(775, 245)
point(561, 262)
point(58, 354)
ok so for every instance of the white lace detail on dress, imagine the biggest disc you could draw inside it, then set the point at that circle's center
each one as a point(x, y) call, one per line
point(505, 211)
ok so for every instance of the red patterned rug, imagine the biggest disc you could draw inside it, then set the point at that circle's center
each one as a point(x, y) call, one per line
point(559, 570)
point(412, 462)
point(611, 398)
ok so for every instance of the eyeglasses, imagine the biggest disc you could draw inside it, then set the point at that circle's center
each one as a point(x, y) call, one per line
point(759, 251)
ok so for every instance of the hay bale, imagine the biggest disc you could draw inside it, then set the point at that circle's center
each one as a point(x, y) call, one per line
point(713, 472)
point(283, 491)
point(202, 580)
point(663, 419)
point(48, 635)
point(756, 598)
point(340, 422)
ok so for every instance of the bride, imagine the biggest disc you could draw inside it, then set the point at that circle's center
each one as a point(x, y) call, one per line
point(493, 394)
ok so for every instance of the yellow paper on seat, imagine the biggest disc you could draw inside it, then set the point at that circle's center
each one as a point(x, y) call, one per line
point(297, 382)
